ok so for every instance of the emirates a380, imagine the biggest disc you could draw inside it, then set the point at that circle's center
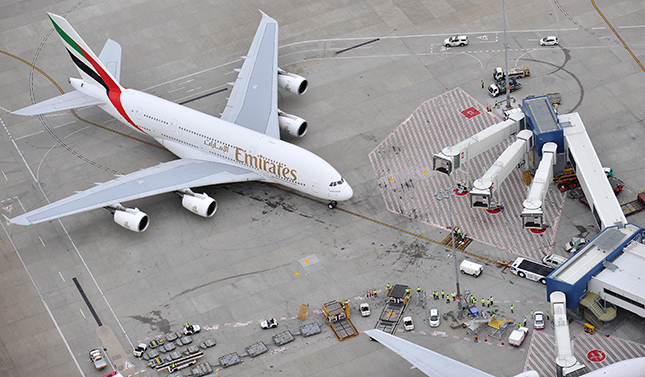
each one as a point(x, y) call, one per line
point(243, 145)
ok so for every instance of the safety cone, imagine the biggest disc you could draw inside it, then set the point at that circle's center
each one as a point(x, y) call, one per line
point(485, 338)
point(502, 341)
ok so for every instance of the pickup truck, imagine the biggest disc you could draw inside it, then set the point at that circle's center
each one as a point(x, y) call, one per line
point(517, 336)
point(500, 87)
point(97, 359)
point(517, 72)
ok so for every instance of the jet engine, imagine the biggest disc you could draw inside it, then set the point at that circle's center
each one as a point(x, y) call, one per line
point(291, 124)
point(200, 204)
point(292, 83)
point(131, 219)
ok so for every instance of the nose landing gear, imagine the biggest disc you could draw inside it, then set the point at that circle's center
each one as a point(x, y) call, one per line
point(332, 204)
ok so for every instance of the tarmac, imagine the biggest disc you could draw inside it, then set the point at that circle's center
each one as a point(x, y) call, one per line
point(267, 251)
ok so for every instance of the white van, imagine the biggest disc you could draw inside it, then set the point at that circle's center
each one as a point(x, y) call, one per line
point(554, 260)
point(471, 268)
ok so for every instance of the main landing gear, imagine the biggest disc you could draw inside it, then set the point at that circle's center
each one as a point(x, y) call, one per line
point(332, 204)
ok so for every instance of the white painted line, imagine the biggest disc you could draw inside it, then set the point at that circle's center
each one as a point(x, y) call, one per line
point(83, 314)
point(5, 176)
point(41, 241)
point(631, 27)
point(61, 276)
point(174, 90)
point(42, 299)
point(39, 132)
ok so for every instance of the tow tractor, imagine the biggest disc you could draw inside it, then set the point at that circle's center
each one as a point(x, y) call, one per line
point(269, 323)
point(191, 329)
point(500, 87)
point(97, 359)
point(140, 349)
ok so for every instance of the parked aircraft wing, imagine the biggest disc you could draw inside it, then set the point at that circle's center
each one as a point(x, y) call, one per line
point(254, 99)
point(427, 361)
point(162, 178)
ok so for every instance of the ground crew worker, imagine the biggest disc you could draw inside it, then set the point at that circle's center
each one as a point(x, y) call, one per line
point(453, 296)
point(418, 289)
point(519, 325)
point(513, 307)
point(491, 299)
point(448, 299)
point(483, 302)
point(488, 303)
point(407, 291)
point(476, 340)
point(547, 316)
point(375, 294)
point(187, 326)
point(388, 287)
point(442, 296)
point(531, 313)
point(524, 321)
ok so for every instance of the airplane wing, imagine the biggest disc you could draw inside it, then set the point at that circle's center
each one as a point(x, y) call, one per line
point(429, 362)
point(254, 99)
point(162, 178)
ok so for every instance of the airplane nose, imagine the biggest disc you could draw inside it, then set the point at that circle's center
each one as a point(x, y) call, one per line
point(348, 192)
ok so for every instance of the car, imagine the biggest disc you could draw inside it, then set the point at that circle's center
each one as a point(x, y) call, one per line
point(192, 329)
point(538, 320)
point(551, 40)
point(140, 349)
point(456, 40)
point(113, 374)
point(434, 319)
point(365, 309)
point(269, 323)
point(97, 359)
point(407, 323)
point(574, 244)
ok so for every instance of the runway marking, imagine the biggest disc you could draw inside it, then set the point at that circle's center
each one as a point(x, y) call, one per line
point(5, 176)
point(61, 276)
point(83, 314)
point(42, 242)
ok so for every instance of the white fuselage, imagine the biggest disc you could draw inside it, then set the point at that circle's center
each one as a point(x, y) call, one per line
point(188, 133)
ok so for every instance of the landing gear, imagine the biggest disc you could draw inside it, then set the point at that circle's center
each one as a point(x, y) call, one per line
point(332, 204)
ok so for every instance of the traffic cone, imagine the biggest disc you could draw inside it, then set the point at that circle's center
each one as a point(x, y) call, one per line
point(485, 338)
point(502, 341)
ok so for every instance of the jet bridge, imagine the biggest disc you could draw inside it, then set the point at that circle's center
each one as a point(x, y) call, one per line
point(532, 214)
point(451, 158)
point(484, 188)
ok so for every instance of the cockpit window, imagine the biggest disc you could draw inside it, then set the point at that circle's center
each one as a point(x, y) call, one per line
point(342, 180)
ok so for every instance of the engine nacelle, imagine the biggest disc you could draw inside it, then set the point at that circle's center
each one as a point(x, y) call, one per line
point(132, 219)
point(291, 124)
point(292, 83)
point(200, 204)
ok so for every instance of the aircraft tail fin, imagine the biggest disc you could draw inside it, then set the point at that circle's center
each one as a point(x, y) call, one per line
point(91, 68)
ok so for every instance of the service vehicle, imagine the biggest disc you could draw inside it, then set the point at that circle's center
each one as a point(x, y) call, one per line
point(538, 320)
point(554, 260)
point(365, 309)
point(456, 40)
point(269, 323)
point(471, 268)
point(517, 336)
point(96, 356)
point(397, 300)
point(140, 349)
point(408, 325)
point(574, 244)
point(551, 40)
point(516, 72)
point(532, 270)
point(635, 206)
point(192, 329)
point(434, 319)
point(500, 87)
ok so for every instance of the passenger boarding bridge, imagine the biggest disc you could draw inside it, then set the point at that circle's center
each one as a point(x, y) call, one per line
point(546, 144)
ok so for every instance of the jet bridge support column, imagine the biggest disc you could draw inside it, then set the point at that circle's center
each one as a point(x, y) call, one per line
point(532, 214)
point(481, 196)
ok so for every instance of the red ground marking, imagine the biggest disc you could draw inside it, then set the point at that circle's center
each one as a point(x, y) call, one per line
point(539, 231)
point(596, 356)
point(470, 112)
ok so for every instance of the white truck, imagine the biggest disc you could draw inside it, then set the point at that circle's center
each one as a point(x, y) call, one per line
point(517, 336)
point(516, 72)
point(500, 87)
point(532, 270)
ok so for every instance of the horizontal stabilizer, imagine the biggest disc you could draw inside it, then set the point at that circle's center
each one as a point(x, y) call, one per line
point(67, 101)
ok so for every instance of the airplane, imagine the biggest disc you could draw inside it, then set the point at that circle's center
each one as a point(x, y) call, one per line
point(243, 145)
point(437, 365)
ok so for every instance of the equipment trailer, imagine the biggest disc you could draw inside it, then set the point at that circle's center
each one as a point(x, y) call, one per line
point(397, 300)
point(338, 319)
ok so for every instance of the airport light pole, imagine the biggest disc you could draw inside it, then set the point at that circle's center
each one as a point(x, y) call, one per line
point(446, 194)
point(508, 90)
